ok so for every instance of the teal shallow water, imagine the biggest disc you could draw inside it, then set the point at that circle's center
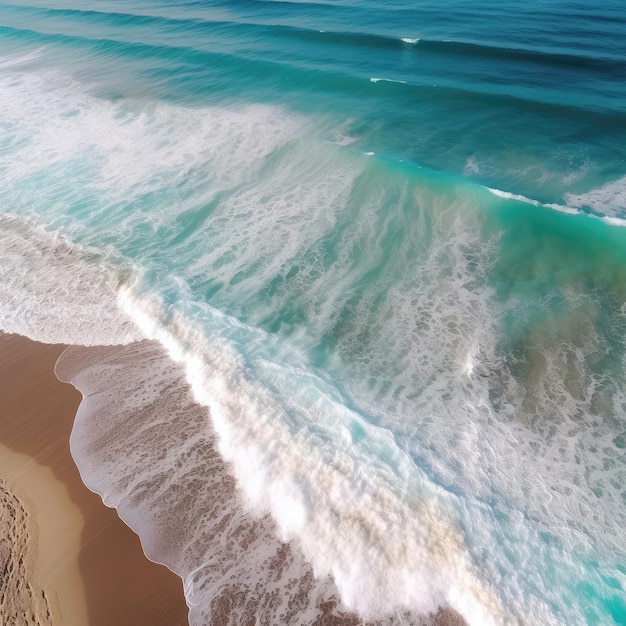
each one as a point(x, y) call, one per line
point(403, 228)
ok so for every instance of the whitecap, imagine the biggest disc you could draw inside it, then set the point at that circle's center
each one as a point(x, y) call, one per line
point(609, 199)
point(387, 80)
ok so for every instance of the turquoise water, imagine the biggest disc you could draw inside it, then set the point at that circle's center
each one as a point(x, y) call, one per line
point(389, 241)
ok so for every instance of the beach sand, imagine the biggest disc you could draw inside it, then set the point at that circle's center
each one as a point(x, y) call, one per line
point(65, 558)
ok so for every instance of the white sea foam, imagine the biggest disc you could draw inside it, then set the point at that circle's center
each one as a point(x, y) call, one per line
point(387, 80)
point(56, 292)
point(561, 208)
point(471, 166)
point(62, 122)
point(345, 507)
point(429, 345)
point(614, 221)
point(512, 196)
point(576, 201)
point(75, 146)
point(148, 449)
point(410, 40)
point(417, 347)
point(17, 60)
point(286, 212)
point(608, 199)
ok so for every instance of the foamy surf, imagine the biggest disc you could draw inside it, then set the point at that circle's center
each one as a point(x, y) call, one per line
point(417, 384)
point(268, 461)
point(228, 555)
point(387, 80)
point(52, 291)
point(608, 199)
point(392, 555)
point(297, 486)
point(576, 201)
point(403, 534)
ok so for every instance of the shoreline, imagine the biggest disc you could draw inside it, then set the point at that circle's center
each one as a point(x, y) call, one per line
point(73, 561)
point(80, 564)
point(237, 567)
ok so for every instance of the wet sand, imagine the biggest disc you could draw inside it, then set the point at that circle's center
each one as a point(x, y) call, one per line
point(65, 558)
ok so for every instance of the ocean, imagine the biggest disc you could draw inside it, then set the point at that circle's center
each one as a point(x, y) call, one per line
point(358, 275)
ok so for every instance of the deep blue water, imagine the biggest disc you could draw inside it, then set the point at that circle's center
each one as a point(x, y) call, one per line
point(396, 236)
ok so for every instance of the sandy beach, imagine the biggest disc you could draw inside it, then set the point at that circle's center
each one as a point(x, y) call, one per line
point(65, 557)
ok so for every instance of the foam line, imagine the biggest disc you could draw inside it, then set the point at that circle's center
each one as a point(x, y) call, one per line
point(148, 449)
point(56, 292)
point(391, 554)
point(387, 80)
point(607, 200)
point(576, 201)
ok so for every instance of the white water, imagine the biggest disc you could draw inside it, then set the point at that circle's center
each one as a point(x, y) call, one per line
point(608, 199)
point(346, 493)
point(55, 292)
point(354, 505)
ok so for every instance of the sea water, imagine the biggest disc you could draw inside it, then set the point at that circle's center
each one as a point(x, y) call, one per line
point(384, 244)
